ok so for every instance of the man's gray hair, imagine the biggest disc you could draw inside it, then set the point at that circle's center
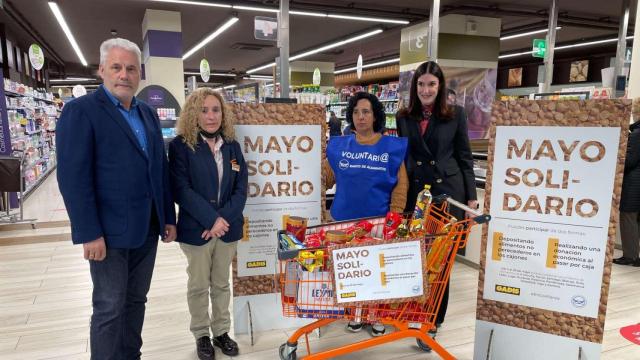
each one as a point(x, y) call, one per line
point(125, 44)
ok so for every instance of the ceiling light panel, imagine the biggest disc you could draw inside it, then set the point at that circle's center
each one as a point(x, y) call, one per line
point(320, 49)
point(307, 13)
point(336, 44)
point(366, 18)
point(291, 11)
point(211, 36)
point(255, 8)
point(528, 33)
point(563, 47)
point(366, 66)
point(200, 3)
point(63, 24)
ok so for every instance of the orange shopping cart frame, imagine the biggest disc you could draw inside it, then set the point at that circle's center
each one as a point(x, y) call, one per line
point(410, 319)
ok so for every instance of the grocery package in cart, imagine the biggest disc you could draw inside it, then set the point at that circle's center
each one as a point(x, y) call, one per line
point(391, 269)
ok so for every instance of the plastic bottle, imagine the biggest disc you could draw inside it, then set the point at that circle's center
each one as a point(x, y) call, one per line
point(420, 211)
point(439, 251)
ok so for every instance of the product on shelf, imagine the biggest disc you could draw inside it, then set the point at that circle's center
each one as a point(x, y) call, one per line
point(32, 115)
point(166, 113)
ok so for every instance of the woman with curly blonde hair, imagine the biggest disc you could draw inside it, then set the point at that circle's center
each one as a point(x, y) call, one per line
point(209, 183)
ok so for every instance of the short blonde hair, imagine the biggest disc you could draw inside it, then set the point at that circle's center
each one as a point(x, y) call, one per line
point(187, 126)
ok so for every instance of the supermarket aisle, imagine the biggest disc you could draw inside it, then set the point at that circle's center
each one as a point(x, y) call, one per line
point(46, 207)
point(45, 307)
point(45, 204)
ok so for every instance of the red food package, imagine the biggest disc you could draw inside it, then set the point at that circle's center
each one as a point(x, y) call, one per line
point(359, 229)
point(313, 241)
point(392, 221)
point(362, 240)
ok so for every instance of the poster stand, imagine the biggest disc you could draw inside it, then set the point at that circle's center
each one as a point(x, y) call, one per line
point(283, 145)
point(489, 345)
point(545, 266)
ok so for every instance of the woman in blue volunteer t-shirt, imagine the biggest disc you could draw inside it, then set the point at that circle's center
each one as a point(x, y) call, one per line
point(367, 169)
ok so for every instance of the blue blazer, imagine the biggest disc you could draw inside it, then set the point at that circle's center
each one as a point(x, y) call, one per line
point(194, 182)
point(106, 180)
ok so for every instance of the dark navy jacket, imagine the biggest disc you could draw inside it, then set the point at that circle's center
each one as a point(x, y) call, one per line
point(630, 199)
point(109, 185)
point(194, 182)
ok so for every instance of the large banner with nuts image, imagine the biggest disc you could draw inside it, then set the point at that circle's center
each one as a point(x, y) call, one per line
point(283, 146)
point(553, 190)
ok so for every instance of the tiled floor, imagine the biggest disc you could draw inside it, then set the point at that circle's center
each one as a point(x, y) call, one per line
point(45, 306)
point(45, 203)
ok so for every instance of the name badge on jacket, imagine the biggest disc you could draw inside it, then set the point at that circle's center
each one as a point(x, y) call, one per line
point(234, 165)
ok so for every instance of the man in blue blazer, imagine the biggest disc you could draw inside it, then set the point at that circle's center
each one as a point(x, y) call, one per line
point(113, 177)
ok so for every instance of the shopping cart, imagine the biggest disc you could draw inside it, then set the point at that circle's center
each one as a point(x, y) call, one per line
point(308, 294)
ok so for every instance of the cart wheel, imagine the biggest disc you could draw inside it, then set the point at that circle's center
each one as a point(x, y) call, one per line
point(287, 352)
point(424, 347)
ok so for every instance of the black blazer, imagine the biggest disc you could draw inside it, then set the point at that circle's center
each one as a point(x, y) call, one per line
point(194, 181)
point(630, 198)
point(441, 158)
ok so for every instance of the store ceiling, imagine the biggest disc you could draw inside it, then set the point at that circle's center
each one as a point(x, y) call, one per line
point(92, 21)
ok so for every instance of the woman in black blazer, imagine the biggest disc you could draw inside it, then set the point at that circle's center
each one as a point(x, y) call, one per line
point(209, 182)
point(630, 202)
point(439, 153)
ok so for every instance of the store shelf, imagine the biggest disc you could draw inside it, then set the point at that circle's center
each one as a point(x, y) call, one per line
point(15, 94)
point(39, 148)
point(28, 191)
point(20, 138)
point(346, 102)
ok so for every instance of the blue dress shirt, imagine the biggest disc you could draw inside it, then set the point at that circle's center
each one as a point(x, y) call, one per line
point(133, 118)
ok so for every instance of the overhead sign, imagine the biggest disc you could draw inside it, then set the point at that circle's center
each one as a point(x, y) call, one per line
point(265, 28)
point(316, 77)
point(205, 70)
point(36, 56)
point(78, 91)
point(539, 48)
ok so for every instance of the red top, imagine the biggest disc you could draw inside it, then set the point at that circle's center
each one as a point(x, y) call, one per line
point(427, 110)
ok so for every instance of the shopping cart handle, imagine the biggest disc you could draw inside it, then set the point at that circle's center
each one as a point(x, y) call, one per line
point(479, 217)
point(484, 218)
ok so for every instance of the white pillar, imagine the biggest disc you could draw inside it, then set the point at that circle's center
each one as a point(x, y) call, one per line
point(634, 73)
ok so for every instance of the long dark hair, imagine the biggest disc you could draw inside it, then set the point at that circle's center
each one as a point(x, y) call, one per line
point(379, 117)
point(440, 107)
